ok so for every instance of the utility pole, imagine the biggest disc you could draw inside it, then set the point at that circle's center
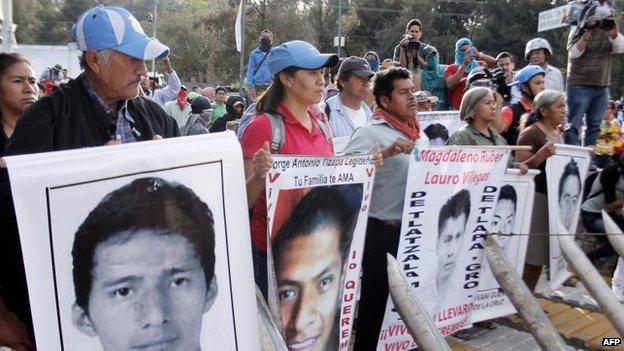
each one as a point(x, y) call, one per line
point(154, 26)
point(339, 25)
point(7, 25)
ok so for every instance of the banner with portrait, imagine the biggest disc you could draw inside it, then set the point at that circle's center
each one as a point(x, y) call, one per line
point(439, 125)
point(316, 223)
point(138, 246)
point(565, 174)
point(512, 216)
point(449, 203)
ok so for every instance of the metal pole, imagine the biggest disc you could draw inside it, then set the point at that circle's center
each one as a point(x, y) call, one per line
point(615, 235)
point(7, 25)
point(339, 25)
point(412, 311)
point(592, 280)
point(270, 337)
point(154, 26)
point(525, 303)
point(241, 63)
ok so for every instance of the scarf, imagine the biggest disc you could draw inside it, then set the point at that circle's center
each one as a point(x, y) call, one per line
point(181, 99)
point(411, 128)
point(459, 55)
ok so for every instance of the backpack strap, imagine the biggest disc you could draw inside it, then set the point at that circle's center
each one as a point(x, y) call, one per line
point(278, 132)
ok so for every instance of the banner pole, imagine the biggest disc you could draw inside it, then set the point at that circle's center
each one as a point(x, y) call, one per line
point(412, 311)
point(270, 337)
point(593, 282)
point(528, 308)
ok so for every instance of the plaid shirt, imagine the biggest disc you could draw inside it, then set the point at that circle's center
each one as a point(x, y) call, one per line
point(122, 123)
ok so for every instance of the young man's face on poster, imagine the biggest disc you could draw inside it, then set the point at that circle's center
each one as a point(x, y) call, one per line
point(503, 221)
point(308, 281)
point(449, 242)
point(568, 199)
point(148, 292)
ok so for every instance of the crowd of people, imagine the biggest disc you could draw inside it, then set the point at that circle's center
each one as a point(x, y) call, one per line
point(368, 105)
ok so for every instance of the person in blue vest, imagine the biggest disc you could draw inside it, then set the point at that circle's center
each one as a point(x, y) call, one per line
point(259, 76)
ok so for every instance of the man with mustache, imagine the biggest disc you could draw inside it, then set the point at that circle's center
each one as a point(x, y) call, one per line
point(100, 107)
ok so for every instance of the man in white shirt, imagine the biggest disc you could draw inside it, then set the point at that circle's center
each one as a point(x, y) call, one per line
point(537, 52)
point(167, 93)
point(347, 110)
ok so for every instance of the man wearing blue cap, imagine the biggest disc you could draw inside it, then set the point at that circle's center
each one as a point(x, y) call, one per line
point(102, 105)
point(99, 107)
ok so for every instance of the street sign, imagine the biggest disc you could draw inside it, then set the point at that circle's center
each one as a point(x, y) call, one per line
point(341, 43)
point(553, 18)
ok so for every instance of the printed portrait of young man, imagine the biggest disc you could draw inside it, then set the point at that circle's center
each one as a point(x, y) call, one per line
point(310, 251)
point(144, 268)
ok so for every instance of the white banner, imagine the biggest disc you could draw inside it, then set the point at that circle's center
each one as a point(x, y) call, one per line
point(512, 215)
point(565, 175)
point(439, 125)
point(317, 215)
point(138, 246)
point(450, 198)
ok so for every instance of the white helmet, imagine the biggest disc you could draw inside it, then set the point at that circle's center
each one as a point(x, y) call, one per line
point(537, 43)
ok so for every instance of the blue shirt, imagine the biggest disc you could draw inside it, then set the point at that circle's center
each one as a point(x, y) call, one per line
point(263, 76)
point(339, 121)
point(123, 121)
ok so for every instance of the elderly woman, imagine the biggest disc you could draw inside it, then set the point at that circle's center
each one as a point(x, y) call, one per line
point(540, 130)
point(479, 110)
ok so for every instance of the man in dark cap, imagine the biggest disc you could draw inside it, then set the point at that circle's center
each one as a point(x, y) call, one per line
point(347, 110)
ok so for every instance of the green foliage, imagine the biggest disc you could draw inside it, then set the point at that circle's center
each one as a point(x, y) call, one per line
point(201, 32)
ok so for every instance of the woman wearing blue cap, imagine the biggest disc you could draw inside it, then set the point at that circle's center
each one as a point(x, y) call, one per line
point(297, 87)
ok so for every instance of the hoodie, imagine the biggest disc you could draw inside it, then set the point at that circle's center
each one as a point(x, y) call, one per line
point(373, 63)
point(230, 115)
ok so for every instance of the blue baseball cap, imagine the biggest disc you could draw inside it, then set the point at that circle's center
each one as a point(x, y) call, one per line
point(112, 27)
point(298, 54)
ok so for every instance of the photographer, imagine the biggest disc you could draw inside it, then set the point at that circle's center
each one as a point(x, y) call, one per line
point(409, 53)
point(590, 45)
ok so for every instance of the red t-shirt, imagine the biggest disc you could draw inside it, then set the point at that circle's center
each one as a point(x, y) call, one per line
point(298, 141)
point(455, 96)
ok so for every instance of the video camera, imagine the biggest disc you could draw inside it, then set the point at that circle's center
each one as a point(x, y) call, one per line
point(495, 79)
point(602, 10)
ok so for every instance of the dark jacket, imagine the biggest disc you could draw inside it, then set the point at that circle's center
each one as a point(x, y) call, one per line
point(69, 119)
point(221, 122)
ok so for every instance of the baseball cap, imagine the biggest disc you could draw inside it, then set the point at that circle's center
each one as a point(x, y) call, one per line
point(112, 27)
point(359, 66)
point(300, 54)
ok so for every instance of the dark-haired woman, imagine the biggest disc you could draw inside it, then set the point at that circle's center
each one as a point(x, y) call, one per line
point(298, 83)
point(18, 90)
point(540, 130)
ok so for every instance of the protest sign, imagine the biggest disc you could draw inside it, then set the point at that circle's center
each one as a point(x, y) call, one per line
point(450, 198)
point(512, 215)
point(439, 125)
point(317, 214)
point(138, 246)
point(565, 174)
